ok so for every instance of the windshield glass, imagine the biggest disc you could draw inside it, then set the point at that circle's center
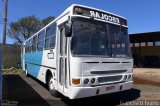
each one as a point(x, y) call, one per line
point(93, 38)
point(119, 41)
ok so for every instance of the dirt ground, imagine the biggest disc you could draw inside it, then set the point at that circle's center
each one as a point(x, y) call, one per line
point(147, 76)
point(148, 81)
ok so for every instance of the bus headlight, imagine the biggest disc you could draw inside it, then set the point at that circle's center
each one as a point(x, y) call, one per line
point(93, 80)
point(129, 76)
point(125, 77)
point(86, 81)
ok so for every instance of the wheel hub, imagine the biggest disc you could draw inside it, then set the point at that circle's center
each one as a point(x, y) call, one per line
point(51, 84)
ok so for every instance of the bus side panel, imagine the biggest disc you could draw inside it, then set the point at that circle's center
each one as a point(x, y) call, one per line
point(33, 63)
point(37, 63)
point(48, 63)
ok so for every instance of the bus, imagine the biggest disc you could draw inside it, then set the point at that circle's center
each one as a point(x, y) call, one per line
point(0, 77)
point(84, 52)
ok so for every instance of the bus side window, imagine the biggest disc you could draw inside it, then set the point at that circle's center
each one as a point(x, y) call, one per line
point(26, 47)
point(50, 36)
point(40, 43)
point(30, 45)
point(34, 43)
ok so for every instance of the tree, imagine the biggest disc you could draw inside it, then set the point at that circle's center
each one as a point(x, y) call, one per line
point(47, 20)
point(26, 27)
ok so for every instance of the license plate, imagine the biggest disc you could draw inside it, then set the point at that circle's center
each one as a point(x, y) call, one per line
point(110, 88)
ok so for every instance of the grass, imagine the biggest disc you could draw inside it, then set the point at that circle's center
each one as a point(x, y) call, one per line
point(12, 71)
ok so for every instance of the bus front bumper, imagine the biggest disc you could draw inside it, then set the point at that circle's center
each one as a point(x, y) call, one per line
point(81, 92)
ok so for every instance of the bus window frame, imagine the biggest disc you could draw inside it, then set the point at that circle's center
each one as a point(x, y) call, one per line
point(41, 40)
point(49, 37)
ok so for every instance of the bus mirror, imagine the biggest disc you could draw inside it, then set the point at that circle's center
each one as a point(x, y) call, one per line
point(67, 31)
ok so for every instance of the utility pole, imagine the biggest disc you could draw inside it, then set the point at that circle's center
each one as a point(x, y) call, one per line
point(5, 21)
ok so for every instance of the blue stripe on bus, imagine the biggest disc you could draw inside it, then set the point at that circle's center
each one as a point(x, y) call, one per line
point(35, 58)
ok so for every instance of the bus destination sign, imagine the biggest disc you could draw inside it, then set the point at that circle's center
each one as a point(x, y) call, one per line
point(99, 15)
point(106, 17)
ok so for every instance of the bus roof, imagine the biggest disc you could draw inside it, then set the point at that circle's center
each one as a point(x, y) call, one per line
point(69, 10)
point(73, 5)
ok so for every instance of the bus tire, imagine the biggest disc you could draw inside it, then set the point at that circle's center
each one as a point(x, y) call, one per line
point(51, 86)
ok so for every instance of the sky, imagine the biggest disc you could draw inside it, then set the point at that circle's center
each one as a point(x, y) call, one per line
point(142, 15)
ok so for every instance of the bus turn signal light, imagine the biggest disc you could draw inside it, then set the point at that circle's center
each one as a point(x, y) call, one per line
point(75, 81)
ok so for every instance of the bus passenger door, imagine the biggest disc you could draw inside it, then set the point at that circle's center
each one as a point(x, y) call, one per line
point(62, 61)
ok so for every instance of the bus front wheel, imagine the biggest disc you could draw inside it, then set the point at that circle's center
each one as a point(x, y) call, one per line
point(51, 86)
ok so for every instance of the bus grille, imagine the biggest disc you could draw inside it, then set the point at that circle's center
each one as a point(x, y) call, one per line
point(109, 79)
point(109, 72)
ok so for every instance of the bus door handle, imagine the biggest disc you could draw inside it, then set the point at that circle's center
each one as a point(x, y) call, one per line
point(50, 55)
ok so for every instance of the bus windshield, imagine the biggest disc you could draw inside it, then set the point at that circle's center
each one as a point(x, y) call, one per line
point(93, 38)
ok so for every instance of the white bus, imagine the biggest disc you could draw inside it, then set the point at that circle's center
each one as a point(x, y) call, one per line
point(0, 77)
point(82, 53)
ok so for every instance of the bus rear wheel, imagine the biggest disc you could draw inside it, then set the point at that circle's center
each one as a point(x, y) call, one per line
point(51, 86)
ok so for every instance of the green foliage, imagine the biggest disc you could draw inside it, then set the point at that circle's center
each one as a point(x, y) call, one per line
point(26, 27)
point(12, 71)
point(47, 20)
